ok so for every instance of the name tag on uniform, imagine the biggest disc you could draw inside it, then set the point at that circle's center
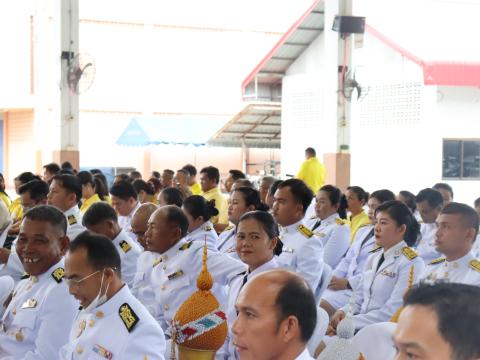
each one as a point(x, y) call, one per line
point(388, 273)
point(320, 234)
point(288, 250)
point(100, 350)
point(29, 304)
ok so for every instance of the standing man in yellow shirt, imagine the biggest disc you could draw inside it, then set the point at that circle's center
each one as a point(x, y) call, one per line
point(195, 187)
point(312, 171)
point(209, 179)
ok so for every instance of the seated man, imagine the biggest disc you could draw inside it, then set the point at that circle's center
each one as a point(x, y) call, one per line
point(101, 218)
point(276, 317)
point(125, 202)
point(439, 322)
point(38, 318)
point(175, 272)
point(457, 231)
point(113, 324)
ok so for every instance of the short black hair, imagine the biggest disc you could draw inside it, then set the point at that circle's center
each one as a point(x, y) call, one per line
point(431, 196)
point(177, 217)
point(86, 177)
point(52, 168)
point(476, 202)
point(410, 200)
point(96, 171)
point(458, 313)
point(26, 177)
point(197, 206)
point(444, 186)
point(99, 212)
point(38, 189)
point(402, 215)
point(49, 214)
point(123, 177)
point(273, 187)
point(123, 190)
point(251, 197)
point(300, 191)
point(311, 151)
point(156, 174)
point(135, 174)
point(383, 195)
point(192, 170)
point(101, 253)
point(212, 173)
point(172, 196)
point(296, 298)
point(362, 195)
point(169, 171)
point(468, 214)
point(67, 165)
point(237, 174)
point(244, 183)
point(269, 225)
point(70, 183)
point(336, 197)
point(142, 185)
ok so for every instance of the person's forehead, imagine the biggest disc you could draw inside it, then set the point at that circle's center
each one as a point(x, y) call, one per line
point(76, 262)
point(449, 218)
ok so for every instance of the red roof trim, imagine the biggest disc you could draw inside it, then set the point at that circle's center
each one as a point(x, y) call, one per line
point(282, 40)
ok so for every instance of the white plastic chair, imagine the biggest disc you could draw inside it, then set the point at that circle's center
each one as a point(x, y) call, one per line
point(325, 279)
point(381, 348)
point(320, 330)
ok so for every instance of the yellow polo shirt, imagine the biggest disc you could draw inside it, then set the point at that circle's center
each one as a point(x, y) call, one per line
point(221, 204)
point(87, 203)
point(313, 173)
point(6, 199)
point(357, 222)
point(196, 189)
point(16, 209)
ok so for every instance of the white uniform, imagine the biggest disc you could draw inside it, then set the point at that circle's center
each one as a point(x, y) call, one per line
point(129, 252)
point(426, 244)
point(207, 231)
point(174, 279)
point(126, 221)
point(305, 355)
point(237, 283)
point(39, 317)
point(227, 240)
point(476, 246)
point(142, 282)
point(119, 329)
point(381, 291)
point(351, 267)
point(465, 270)
point(335, 236)
point(74, 219)
point(302, 253)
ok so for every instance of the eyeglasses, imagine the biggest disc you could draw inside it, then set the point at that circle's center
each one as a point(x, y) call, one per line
point(73, 282)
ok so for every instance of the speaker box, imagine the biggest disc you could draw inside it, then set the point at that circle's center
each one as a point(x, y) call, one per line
point(349, 24)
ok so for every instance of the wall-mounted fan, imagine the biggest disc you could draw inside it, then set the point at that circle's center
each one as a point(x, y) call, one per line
point(351, 87)
point(80, 73)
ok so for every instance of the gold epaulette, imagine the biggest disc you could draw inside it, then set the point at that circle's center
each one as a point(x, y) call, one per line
point(341, 221)
point(186, 246)
point(207, 228)
point(125, 246)
point(128, 316)
point(475, 265)
point(437, 261)
point(228, 228)
point(58, 274)
point(71, 220)
point(409, 253)
point(375, 249)
point(305, 231)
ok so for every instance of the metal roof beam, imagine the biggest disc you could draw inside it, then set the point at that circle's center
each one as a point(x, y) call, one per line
point(249, 123)
point(318, 12)
point(282, 58)
point(250, 133)
point(307, 28)
point(296, 43)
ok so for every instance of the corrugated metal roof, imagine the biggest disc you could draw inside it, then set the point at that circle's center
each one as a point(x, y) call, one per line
point(294, 42)
point(258, 125)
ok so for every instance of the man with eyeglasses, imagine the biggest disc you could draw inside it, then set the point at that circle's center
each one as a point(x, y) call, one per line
point(112, 323)
point(40, 311)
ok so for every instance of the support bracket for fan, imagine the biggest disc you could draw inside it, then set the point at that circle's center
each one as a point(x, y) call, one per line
point(67, 55)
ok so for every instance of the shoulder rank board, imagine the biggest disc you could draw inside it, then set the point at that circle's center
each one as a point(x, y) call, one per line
point(58, 274)
point(207, 228)
point(305, 231)
point(186, 246)
point(71, 220)
point(24, 276)
point(229, 227)
point(125, 246)
point(128, 316)
point(340, 221)
point(409, 253)
point(475, 265)
point(436, 261)
point(375, 249)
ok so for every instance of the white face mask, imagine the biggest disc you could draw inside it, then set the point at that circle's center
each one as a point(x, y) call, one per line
point(99, 299)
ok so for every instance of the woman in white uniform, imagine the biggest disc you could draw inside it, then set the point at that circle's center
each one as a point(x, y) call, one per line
point(391, 269)
point(330, 225)
point(200, 228)
point(348, 272)
point(242, 200)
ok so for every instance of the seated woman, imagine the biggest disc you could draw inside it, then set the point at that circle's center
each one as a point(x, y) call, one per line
point(256, 244)
point(145, 191)
point(242, 200)
point(170, 196)
point(89, 190)
point(356, 199)
point(199, 212)
point(347, 274)
point(329, 224)
point(389, 271)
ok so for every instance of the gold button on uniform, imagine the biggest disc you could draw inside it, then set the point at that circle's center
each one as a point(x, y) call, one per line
point(99, 314)
point(91, 323)
point(166, 307)
point(79, 350)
